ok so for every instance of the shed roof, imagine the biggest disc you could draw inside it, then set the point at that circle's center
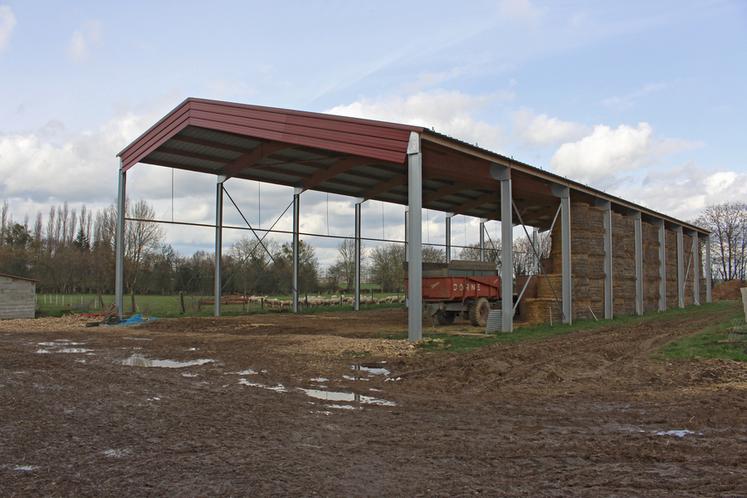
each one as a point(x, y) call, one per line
point(16, 277)
point(351, 156)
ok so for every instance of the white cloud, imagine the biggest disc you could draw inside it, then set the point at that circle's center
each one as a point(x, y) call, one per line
point(684, 191)
point(7, 23)
point(541, 129)
point(83, 40)
point(604, 153)
point(449, 112)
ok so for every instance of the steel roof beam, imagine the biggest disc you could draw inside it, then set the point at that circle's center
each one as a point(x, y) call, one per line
point(210, 143)
point(338, 167)
point(477, 202)
point(263, 150)
point(384, 186)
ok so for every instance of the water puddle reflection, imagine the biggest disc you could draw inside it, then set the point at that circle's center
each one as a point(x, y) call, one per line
point(62, 346)
point(279, 388)
point(679, 433)
point(138, 360)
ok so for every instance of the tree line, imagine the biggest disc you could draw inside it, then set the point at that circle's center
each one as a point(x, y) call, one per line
point(72, 251)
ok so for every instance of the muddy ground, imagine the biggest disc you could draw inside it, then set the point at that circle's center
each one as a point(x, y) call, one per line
point(585, 413)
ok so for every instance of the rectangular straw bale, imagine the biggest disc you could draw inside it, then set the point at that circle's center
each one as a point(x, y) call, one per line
point(671, 247)
point(650, 266)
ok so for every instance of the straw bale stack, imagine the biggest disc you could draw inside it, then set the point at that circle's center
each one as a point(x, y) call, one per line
point(540, 310)
point(623, 264)
point(587, 259)
point(650, 266)
point(671, 246)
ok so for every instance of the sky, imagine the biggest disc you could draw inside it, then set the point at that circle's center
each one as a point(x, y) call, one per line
point(645, 100)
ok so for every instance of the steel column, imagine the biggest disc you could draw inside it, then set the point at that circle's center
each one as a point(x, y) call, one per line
point(119, 247)
point(357, 297)
point(414, 242)
point(218, 243)
point(662, 266)
point(296, 248)
point(709, 295)
point(609, 303)
point(507, 245)
point(536, 252)
point(565, 235)
point(696, 268)
point(407, 253)
point(638, 239)
point(680, 268)
point(482, 240)
point(448, 236)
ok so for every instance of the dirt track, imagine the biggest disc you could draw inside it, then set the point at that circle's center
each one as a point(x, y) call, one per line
point(574, 414)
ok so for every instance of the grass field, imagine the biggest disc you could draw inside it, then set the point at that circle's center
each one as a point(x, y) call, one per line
point(702, 345)
point(726, 339)
point(169, 306)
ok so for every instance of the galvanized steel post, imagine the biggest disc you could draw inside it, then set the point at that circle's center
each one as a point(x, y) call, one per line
point(357, 297)
point(407, 253)
point(482, 240)
point(296, 223)
point(662, 266)
point(565, 235)
point(414, 236)
point(696, 268)
point(218, 243)
point(638, 239)
point(120, 242)
point(680, 268)
point(609, 303)
point(537, 251)
point(709, 294)
point(448, 236)
point(507, 246)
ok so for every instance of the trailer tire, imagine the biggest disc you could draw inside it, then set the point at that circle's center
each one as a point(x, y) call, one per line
point(445, 317)
point(478, 312)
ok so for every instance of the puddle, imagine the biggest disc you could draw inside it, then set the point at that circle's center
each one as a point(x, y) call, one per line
point(117, 453)
point(280, 388)
point(64, 350)
point(354, 379)
point(371, 370)
point(25, 468)
point(80, 361)
point(319, 379)
point(190, 375)
point(346, 396)
point(154, 398)
point(248, 371)
point(326, 395)
point(138, 338)
point(138, 360)
point(192, 349)
point(60, 342)
point(680, 433)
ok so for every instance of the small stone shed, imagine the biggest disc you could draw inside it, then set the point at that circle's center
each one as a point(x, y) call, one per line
point(17, 297)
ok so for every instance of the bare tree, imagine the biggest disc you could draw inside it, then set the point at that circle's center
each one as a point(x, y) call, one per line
point(141, 237)
point(728, 224)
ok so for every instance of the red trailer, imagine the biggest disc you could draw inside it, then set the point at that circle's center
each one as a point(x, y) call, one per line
point(466, 288)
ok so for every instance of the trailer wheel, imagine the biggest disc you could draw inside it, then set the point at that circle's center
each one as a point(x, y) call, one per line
point(445, 317)
point(478, 312)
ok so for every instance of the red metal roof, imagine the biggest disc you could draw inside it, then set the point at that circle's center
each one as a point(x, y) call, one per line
point(360, 137)
point(350, 156)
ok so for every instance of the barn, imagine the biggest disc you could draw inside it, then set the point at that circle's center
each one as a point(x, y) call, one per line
point(17, 297)
point(608, 257)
